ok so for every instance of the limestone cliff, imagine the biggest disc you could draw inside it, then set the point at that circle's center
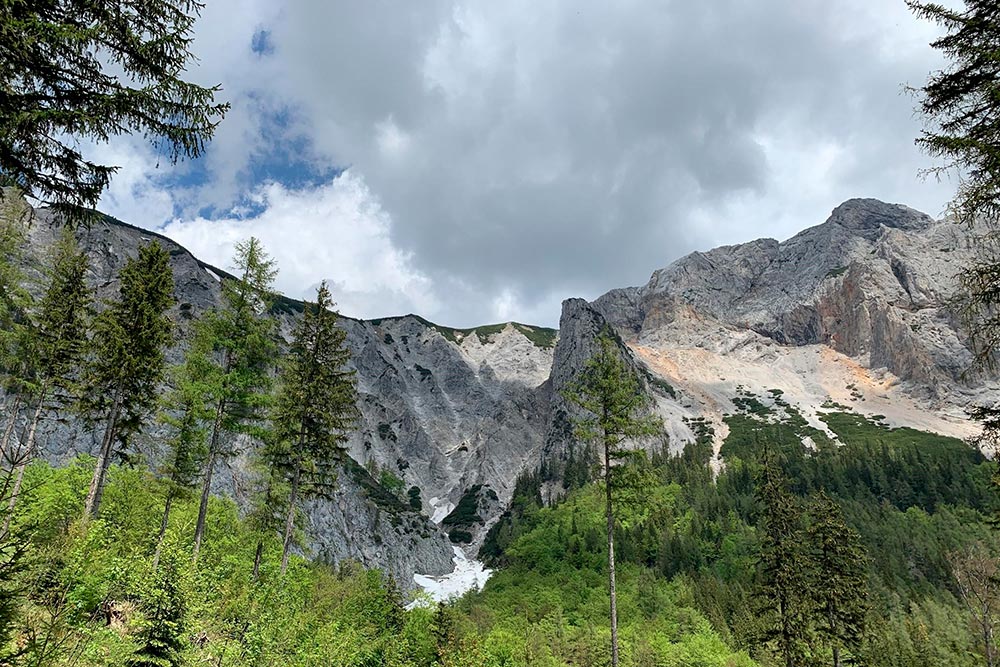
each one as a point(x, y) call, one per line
point(853, 312)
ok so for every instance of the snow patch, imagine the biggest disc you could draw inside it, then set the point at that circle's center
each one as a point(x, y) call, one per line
point(468, 575)
point(214, 275)
point(442, 508)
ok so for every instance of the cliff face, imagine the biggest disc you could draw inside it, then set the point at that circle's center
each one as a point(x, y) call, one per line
point(854, 311)
point(874, 282)
point(442, 411)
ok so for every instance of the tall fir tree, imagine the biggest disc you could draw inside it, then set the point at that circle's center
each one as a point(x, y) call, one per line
point(127, 363)
point(315, 408)
point(960, 104)
point(784, 568)
point(242, 354)
point(617, 411)
point(77, 70)
point(840, 582)
point(59, 336)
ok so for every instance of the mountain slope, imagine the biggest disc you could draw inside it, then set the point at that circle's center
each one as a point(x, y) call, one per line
point(853, 312)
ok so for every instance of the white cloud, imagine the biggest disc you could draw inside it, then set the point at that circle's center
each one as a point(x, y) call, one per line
point(392, 141)
point(522, 152)
point(336, 232)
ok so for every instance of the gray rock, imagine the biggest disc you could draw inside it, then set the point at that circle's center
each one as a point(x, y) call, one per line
point(447, 411)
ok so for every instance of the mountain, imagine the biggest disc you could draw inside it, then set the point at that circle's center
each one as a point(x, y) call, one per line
point(854, 312)
point(444, 411)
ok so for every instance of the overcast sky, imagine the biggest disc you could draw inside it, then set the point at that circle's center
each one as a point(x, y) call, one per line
point(477, 162)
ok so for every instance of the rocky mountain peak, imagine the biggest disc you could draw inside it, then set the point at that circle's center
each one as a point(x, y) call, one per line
point(867, 217)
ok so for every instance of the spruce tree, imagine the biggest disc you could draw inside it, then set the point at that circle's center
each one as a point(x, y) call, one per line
point(315, 407)
point(616, 411)
point(127, 364)
point(840, 585)
point(161, 628)
point(74, 69)
point(784, 566)
point(242, 354)
point(961, 106)
point(59, 335)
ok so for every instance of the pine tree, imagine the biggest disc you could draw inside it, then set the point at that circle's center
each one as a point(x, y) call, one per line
point(127, 361)
point(840, 586)
point(617, 411)
point(76, 70)
point(59, 334)
point(238, 372)
point(784, 566)
point(314, 409)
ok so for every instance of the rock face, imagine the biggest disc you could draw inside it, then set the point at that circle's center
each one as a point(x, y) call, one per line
point(873, 282)
point(854, 311)
point(441, 411)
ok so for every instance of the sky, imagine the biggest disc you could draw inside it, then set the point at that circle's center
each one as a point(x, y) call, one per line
point(480, 162)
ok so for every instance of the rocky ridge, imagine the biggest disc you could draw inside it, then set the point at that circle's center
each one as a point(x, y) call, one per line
point(856, 311)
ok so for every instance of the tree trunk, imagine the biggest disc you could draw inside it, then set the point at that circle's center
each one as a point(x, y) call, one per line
point(786, 632)
point(9, 430)
point(206, 486)
point(163, 528)
point(22, 462)
point(290, 517)
point(611, 554)
point(988, 642)
point(96, 490)
point(256, 559)
point(832, 619)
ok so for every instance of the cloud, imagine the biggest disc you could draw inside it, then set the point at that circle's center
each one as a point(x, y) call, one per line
point(523, 152)
point(336, 232)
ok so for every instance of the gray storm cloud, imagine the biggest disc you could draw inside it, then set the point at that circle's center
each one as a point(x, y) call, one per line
point(528, 151)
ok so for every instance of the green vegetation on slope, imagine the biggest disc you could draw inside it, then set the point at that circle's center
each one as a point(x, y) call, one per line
point(88, 594)
point(913, 498)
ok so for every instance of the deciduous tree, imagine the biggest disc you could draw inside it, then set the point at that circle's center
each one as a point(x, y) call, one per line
point(239, 360)
point(977, 573)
